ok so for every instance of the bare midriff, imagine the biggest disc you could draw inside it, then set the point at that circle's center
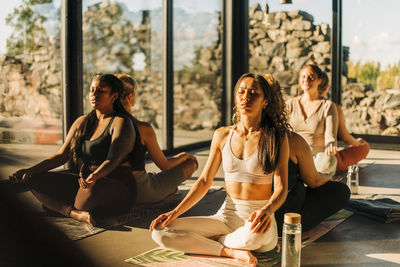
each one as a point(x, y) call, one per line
point(247, 191)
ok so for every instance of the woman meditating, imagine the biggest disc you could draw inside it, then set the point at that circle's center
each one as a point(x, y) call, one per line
point(254, 153)
point(103, 140)
point(315, 119)
point(357, 149)
point(321, 197)
point(174, 170)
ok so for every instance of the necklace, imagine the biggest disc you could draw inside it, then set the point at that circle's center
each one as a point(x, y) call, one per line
point(249, 134)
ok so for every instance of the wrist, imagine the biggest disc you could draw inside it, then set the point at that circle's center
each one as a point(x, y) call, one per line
point(268, 210)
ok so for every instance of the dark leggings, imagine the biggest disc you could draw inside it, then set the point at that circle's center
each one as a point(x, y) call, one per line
point(110, 196)
point(313, 204)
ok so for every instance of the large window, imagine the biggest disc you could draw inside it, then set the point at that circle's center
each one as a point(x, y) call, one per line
point(284, 37)
point(126, 37)
point(30, 77)
point(371, 84)
point(197, 70)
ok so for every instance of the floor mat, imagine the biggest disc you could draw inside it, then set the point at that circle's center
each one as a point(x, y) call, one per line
point(76, 230)
point(160, 257)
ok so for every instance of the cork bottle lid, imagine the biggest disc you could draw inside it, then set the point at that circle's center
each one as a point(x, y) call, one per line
point(292, 218)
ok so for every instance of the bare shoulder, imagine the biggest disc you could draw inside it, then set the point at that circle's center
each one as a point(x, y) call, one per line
point(78, 121)
point(223, 131)
point(296, 141)
point(122, 121)
point(220, 136)
point(143, 126)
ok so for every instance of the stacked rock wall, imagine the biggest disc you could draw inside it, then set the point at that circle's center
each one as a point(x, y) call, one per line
point(280, 43)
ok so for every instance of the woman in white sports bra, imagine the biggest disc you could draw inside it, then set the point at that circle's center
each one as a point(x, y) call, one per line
point(252, 151)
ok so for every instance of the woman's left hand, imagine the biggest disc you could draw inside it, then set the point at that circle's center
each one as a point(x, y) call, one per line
point(260, 221)
point(331, 149)
point(88, 182)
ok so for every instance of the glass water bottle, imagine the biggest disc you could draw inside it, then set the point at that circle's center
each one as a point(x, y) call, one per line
point(291, 240)
point(353, 178)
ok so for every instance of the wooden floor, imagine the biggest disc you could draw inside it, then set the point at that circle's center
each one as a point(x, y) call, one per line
point(356, 242)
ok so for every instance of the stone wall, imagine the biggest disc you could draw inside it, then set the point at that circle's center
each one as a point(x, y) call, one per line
point(371, 112)
point(280, 43)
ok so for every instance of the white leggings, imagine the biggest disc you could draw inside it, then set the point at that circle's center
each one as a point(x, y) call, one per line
point(192, 234)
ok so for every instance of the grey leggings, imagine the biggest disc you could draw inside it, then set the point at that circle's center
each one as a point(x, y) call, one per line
point(155, 187)
point(60, 192)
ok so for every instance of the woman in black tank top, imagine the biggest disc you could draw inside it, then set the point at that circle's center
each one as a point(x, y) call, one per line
point(321, 198)
point(100, 142)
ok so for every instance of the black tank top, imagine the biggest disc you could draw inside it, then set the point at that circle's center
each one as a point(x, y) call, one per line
point(138, 154)
point(95, 152)
point(293, 175)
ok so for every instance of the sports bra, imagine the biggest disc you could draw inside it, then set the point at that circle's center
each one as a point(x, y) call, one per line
point(243, 170)
point(94, 152)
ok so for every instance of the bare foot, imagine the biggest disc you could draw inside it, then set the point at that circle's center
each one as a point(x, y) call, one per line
point(82, 216)
point(243, 255)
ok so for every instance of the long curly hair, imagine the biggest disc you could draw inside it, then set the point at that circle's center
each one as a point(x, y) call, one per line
point(274, 120)
point(88, 124)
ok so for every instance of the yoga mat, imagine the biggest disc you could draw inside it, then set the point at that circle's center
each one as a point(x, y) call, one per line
point(76, 230)
point(160, 257)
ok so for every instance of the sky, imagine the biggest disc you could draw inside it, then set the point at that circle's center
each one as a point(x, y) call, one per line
point(370, 27)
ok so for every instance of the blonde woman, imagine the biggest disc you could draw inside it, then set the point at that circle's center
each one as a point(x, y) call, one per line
point(357, 149)
point(174, 170)
point(315, 119)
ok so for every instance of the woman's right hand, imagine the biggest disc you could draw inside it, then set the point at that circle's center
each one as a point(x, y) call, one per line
point(20, 176)
point(165, 218)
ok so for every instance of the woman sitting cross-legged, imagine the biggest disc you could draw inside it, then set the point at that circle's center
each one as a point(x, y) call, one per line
point(320, 198)
point(252, 151)
point(357, 149)
point(174, 170)
point(103, 140)
point(315, 119)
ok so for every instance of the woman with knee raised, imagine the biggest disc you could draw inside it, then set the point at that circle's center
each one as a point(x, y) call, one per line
point(357, 149)
point(252, 151)
point(321, 198)
point(315, 119)
point(103, 141)
point(174, 170)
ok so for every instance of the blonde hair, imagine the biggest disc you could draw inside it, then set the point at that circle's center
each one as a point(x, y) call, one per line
point(323, 86)
point(130, 85)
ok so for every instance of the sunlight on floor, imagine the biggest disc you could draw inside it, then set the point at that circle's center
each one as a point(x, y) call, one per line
point(390, 257)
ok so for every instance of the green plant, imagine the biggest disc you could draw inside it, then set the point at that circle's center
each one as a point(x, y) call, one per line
point(27, 28)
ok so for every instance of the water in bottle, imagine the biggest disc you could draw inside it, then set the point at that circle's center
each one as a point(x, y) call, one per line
point(291, 240)
point(353, 178)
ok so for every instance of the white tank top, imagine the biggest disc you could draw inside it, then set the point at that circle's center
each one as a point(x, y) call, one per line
point(243, 170)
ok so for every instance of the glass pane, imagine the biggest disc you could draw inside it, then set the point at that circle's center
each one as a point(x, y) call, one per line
point(126, 37)
point(284, 37)
point(197, 70)
point(371, 84)
point(30, 81)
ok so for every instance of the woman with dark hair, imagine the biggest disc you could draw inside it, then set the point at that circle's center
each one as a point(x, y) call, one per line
point(254, 153)
point(103, 141)
point(315, 119)
point(174, 170)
